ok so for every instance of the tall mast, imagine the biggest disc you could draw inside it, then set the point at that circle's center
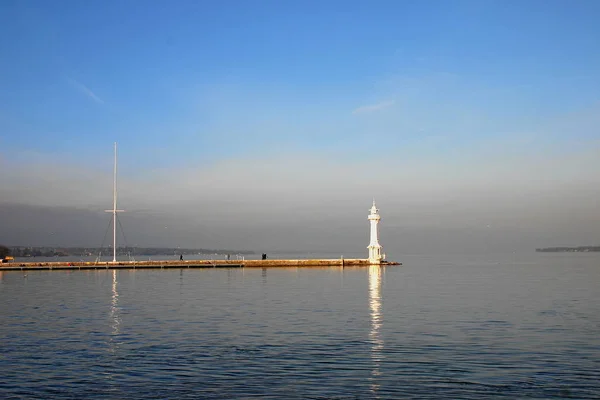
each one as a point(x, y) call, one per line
point(114, 210)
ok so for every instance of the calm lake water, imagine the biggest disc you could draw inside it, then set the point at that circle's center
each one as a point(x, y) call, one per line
point(512, 326)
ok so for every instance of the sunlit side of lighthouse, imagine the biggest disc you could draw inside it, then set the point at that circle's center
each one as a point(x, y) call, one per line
point(375, 255)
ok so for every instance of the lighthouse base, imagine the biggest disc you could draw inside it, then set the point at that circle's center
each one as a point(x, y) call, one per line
point(375, 256)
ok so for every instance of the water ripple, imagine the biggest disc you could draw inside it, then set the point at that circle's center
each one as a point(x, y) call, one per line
point(297, 334)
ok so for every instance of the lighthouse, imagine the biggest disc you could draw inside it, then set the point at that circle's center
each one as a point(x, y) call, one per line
point(374, 247)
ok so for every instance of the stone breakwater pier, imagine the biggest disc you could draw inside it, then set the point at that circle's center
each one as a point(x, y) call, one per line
point(178, 264)
point(376, 257)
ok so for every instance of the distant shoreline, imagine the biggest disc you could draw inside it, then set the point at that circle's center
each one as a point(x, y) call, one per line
point(579, 249)
point(47, 251)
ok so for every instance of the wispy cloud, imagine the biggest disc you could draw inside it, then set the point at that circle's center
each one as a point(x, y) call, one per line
point(373, 107)
point(85, 90)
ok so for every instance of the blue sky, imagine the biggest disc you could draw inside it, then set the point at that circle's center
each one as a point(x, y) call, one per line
point(189, 86)
point(181, 76)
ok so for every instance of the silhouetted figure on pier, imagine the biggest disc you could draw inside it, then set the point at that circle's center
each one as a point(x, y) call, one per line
point(181, 257)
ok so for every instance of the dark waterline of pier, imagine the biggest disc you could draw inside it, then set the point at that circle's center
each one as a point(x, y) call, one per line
point(511, 326)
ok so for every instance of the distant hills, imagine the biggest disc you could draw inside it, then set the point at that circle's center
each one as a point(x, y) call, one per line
point(580, 249)
point(20, 251)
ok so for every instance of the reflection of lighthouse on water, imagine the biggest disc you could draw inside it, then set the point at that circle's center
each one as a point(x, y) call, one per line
point(376, 317)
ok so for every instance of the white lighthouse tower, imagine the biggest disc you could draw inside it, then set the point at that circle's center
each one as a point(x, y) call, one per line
point(374, 247)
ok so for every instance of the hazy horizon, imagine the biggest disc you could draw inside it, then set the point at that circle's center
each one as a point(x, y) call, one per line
point(272, 126)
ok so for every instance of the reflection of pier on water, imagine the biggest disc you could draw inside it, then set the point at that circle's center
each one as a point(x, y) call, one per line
point(376, 322)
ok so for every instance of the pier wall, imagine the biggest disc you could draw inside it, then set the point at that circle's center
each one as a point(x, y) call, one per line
point(78, 265)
